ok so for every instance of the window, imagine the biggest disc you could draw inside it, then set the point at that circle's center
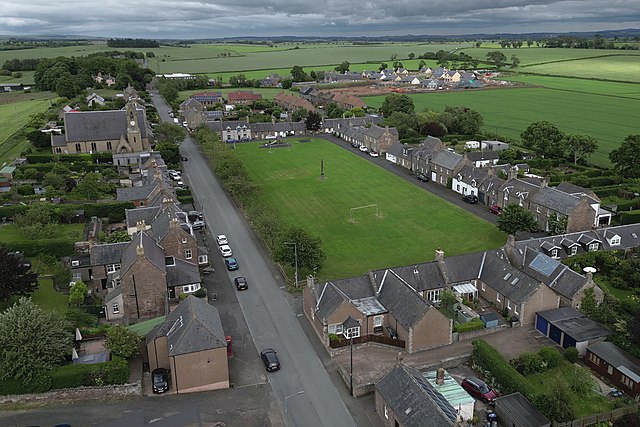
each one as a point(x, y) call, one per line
point(433, 296)
point(336, 329)
point(113, 268)
point(594, 359)
point(58, 150)
point(352, 332)
point(78, 148)
point(94, 146)
point(593, 246)
point(610, 370)
point(109, 145)
point(377, 321)
point(509, 304)
point(115, 308)
point(75, 263)
point(515, 308)
point(188, 254)
point(386, 413)
point(554, 253)
point(574, 250)
point(538, 209)
point(615, 240)
point(187, 289)
point(498, 297)
point(184, 240)
point(483, 287)
point(627, 381)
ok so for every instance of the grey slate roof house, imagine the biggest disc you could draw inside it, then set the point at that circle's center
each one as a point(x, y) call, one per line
point(444, 165)
point(404, 398)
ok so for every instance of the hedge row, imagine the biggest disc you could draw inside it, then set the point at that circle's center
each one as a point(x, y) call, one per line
point(503, 374)
point(473, 325)
point(69, 158)
point(115, 371)
point(630, 217)
point(630, 205)
point(608, 190)
point(57, 248)
point(114, 210)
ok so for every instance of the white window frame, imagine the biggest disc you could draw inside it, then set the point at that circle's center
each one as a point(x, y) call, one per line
point(377, 321)
point(191, 288)
point(188, 254)
point(593, 247)
point(112, 268)
point(386, 412)
point(509, 304)
point(498, 296)
point(515, 308)
point(337, 329)
point(115, 308)
point(483, 286)
point(352, 332)
point(574, 250)
point(615, 241)
point(433, 295)
point(554, 253)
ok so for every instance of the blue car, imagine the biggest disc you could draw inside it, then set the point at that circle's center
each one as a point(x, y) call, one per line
point(231, 263)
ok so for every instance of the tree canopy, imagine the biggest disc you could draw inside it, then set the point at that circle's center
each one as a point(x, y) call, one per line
point(313, 122)
point(15, 278)
point(516, 218)
point(580, 146)
point(626, 158)
point(308, 248)
point(32, 340)
point(396, 102)
point(122, 341)
point(544, 138)
point(170, 152)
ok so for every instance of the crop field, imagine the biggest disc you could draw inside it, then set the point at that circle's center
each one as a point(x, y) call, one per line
point(595, 87)
point(13, 117)
point(413, 222)
point(607, 118)
point(619, 68)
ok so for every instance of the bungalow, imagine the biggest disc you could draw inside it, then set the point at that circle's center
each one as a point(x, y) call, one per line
point(94, 99)
point(495, 145)
point(616, 365)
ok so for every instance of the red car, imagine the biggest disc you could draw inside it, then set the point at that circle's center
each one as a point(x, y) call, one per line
point(479, 389)
point(495, 209)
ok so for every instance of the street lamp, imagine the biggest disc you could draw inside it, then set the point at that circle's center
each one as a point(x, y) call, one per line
point(295, 256)
point(298, 393)
point(351, 333)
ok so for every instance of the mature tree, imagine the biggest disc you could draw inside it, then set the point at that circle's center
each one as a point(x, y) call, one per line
point(15, 278)
point(478, 43)
point(39, 139)
point(78, 293)
point(343, 67)
point(90, 187)
point(38, 222)
point(497, 57)
point(298, 74)
point(118, 237)
point(421, 64)
point(78, 318)
point(169, 132)
point(580, 146)
point(122, 341)
point(313, 122)
point(32, 340)
point(557, 224)
point(286, 83)
point(123, 80)
point(299, 114)
point(516, 218)
point(296, 241)
point(556, 404)
point(447, 298)
point(544, 138)
point(66, 86)
point(397, 103)
point(170, 152)
point(54, 180)
point(383, 66)
point(626, 158)
point(515, 61)
point(462, 120)
point(412, 55)
point(405, 123)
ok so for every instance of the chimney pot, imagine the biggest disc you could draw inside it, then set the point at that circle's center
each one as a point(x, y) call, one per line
point(440, 376)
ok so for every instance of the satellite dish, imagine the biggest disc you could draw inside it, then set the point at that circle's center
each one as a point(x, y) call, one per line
point(589, 270)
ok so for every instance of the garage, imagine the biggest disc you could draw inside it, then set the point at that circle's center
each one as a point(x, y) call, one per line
point(567, 327)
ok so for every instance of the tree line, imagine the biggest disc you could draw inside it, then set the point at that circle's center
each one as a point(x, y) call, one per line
point(132, 43)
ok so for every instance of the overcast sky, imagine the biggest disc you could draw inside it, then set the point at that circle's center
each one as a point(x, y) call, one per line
point(236, 18)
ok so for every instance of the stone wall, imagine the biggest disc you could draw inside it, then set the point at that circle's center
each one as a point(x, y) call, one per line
point(80, 393)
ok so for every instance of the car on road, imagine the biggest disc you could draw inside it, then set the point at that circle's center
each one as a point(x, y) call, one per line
point(195, 216)
point(363, 148)
point(160, 378)
point(198, 225)
point(495, 209)
point(422, 178)
point(222, 239)
point(470, 198)
point(270, 359)
point(184, 158)
point(374, 153)
point(225, 250)
point(241, 283)
point(479, 389)
point(231, 263)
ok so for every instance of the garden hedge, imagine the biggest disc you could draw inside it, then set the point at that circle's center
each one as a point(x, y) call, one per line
point(503, 374)
point(473, 325)
point(630, 217)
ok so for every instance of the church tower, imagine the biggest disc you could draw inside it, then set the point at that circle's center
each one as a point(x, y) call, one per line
point(134, 135)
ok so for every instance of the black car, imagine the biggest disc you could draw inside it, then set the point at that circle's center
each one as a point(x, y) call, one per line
point(241, 283)
point(470, 198)
point(270, 359)
point(422, 178)
point(160, 378)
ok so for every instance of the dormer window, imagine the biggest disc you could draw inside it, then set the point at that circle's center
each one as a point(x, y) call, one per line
point(593, 246)
point(615, 240)
point(554, 253)
point(574, 250)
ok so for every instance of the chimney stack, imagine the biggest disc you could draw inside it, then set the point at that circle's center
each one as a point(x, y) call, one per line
point(140, 225)
point(440, 376)
point(439, 255)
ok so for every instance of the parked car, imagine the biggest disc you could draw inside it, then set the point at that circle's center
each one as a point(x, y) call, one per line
point(355, 145)
point(198, 225)
point(470, 198)
point(225, 250)
point(241, 283)
point(422, 178)
point(222, 239)
point(184, 159)
point(363, 148)
point(479, 389)
point(495, 209)
point(160, 380)
point(270, 359)
point(373, 153)
point(231, 263)
point(195, 216)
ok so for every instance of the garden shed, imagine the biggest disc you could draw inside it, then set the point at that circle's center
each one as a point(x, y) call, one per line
point(490, 320)
point(515, 410)
point(567, 327)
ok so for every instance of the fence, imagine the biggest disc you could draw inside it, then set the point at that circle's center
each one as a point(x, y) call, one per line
point(601, 417)
point(343, 342)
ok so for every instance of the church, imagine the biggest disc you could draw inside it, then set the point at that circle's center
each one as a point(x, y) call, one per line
point(115, 131)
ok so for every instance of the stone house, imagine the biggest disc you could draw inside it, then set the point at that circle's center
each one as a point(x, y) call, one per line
point(243, 97)
point(208, 99)
point(444, 165)
point(379, 139)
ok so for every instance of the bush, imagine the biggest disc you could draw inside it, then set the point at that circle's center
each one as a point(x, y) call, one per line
point(33, 248)
point(489, 360)
point(630, 217)
point(473, 325)
point(551, 357)
point(571, 354)
point(114, 211)
point(200, 293)
point(70, 376)
point(529, 363)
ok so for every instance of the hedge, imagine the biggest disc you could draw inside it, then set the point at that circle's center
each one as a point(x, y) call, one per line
point(630, 205)
point(12, 211)
point(608, 190)
point(630, 217)
point(473, 325)
point(507, 378)
point(57, 248)
point(114, 211)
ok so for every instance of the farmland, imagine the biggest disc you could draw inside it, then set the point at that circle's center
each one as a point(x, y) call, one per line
point(413, 225)
point(14, 114)
point(608, 118)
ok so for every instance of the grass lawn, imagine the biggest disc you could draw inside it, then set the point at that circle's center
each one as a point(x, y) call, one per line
point(607, 118)
point(14, 116)
point(413, 225)
point(47, 297)
point(66, 235)
point(620, 68)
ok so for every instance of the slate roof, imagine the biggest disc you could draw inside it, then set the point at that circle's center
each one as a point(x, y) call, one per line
point(520, 409)
point(403, 303)
point(478, 156)
point(618, 358)
point(499, 274)
point(141, 192)
point(463, 268)
point(58, 140)
point(556, 275)
point(469, 173)
point(99, 125)
point(570, 188)
point(182, 273)
point(555, 200)
point(106, 254)
point(330, 295)
point(146, 214)
point(152, 251)
point(519, 188)
point(575, 324)
point(192, 326)
point(447, 159)
point(413, 400)
point(377, 131)
point(397, 149)
point(421, 277)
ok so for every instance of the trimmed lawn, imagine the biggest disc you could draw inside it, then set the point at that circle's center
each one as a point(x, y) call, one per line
point(66, 235)
point(47, 297)
point(14, 116)
point(607, 118)
point(413, 224)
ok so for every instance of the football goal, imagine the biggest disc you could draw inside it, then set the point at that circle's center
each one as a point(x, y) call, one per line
point(353, 211)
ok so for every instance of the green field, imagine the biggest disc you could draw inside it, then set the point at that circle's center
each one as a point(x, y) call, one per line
point(595, 87)
point(47, 297)
point(623, 68)
point(608, 118)
point(414, 222)
point(14, 116)
point(267, 93)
